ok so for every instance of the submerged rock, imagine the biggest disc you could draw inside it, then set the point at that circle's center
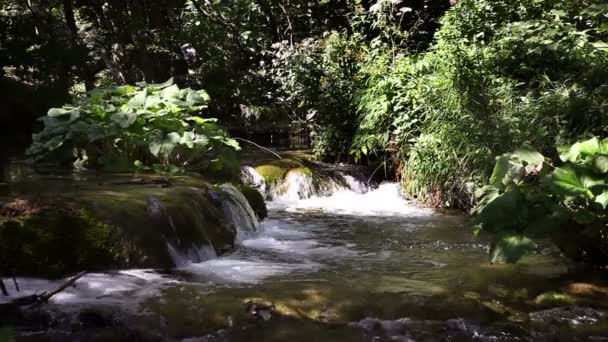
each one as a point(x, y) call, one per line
point(59, 225)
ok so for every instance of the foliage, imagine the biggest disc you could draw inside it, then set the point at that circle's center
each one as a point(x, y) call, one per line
point(145, 124)
point(501, 73)
point(316, 81)
point(530, 197)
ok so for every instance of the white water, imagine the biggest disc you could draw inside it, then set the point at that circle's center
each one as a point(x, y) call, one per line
point(383, 201)
point(276, 248)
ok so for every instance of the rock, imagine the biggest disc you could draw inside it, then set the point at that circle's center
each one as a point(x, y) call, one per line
point(569, 315)
point(61, 225)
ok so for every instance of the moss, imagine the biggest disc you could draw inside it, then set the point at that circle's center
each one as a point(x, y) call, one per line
point(553, 298)
point(275, 171)
point(58, 241)
point(272, 174)
point(303, 170)
point(85, 225)
point(255, 199)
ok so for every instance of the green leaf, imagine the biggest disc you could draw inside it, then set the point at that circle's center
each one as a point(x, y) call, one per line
point(163, 85)
point(124, 90)
point(200, 120)
point(163, 145)
point(584, 216)
point(569, 153)
point(529, 155)
point(124, 119)
point(509, 248)
point(600, 163)
point(56, 112)
point(571, 181)
point(500, 170)
point(171, 92)
point(138, 100)
point(602, 199)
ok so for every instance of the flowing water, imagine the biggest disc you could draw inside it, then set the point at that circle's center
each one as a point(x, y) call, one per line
point(357, 265)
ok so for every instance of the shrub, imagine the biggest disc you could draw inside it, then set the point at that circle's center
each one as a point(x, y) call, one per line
point(501, 73)
point(529, 197)
point(145, 124)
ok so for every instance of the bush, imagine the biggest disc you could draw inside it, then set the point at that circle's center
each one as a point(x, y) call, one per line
point(147, 124)
point(316, 82)
point(529, 197)
point(500, 74)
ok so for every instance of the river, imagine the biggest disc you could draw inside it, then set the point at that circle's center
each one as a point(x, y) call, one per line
point(357, 265)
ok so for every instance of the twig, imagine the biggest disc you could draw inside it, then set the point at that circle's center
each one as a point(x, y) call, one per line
point(3, 288)
point(46, 296)
point(373, 173)
point(260, 147)
point(16, 284)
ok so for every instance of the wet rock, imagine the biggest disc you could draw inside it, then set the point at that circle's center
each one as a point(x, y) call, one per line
point(59, 225)
point(458, 329)
point(569, 315)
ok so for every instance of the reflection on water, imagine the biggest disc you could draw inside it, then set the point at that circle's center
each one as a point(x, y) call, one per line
point(350, 267)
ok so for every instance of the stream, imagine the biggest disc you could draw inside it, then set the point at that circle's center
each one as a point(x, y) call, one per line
point(357, 265)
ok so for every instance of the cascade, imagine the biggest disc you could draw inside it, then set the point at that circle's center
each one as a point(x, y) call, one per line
point(238, 212)
point(251, 177)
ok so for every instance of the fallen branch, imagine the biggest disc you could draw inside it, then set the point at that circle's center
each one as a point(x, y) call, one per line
point(38, 299)
point(3, 288)
point(44, 297)
point(260, 147)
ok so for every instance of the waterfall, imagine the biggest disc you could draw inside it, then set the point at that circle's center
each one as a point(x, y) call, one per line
point(238, 212)
point(303, 183)
point(252, 178)
point(235, 210)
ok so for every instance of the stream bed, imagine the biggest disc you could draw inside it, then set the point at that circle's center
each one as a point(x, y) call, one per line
point(352, 266)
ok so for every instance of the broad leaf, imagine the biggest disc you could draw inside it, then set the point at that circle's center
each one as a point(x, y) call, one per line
point(571, 181)
point(163, 145)
point(529, 155)
point(138, 100)
point(124, 119)
point(509, 248)
point(600, 163)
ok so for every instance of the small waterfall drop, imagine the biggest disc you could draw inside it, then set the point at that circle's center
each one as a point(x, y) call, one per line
point(386, 200)
point(251, 177)
point(238, 212)
point(185, 258)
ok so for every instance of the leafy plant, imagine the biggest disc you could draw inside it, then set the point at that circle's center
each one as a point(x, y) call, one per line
point(529, 197)
point(140, 125)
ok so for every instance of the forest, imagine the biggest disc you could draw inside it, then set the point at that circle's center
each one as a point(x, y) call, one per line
point(199, 136)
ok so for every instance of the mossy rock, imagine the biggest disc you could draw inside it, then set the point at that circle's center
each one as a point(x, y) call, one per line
point(274, 172)
point(255, 199)
point(101, 224)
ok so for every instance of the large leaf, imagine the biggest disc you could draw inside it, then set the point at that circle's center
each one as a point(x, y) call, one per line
point(509, 248)
point(163, 85)
point(529, 155)
point(574, 181)
point(498, 211)
point(139, 100)
point(602, 198)
point(600, 163)
point(171, 92)
point(124, 119)
point(161, 145)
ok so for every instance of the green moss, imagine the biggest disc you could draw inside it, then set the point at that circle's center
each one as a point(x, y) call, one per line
point(89, 225)
point(554, 298)
point(275, 171)
point(272, 174)
point(303, 170)
point(255, 199)
point(59, 241)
